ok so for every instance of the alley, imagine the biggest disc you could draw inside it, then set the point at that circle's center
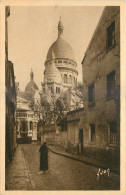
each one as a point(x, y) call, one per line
point(63, 173)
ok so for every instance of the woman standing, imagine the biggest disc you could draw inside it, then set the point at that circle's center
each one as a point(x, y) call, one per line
point(43, 158)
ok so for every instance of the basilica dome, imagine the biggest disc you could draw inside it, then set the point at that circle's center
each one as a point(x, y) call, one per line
point(61, 47)
point(61, 67)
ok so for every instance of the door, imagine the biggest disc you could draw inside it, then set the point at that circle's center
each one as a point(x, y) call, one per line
point(81, 141)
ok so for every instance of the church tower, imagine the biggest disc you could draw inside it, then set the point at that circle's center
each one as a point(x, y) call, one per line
point(31, 87)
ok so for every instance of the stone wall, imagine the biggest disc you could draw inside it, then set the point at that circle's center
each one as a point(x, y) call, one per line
point(63, 138)
point(74, 124)
point(50, 134)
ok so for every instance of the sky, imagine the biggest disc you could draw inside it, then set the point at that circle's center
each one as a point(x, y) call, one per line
point(32, 30)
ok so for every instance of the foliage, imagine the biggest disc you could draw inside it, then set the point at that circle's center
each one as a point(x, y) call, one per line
point(52, 109)
point(73, 97)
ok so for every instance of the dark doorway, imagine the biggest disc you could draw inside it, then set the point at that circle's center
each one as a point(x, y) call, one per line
point(24, 128)
point(31, 125)
point(81, 141)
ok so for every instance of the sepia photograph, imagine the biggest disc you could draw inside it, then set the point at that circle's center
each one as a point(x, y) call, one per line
point(62, 91)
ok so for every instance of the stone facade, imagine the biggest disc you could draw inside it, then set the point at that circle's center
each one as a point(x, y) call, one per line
point(63, 138)
point(75, 131)
point(101, 80)
point(63, 135)
point(50, 134)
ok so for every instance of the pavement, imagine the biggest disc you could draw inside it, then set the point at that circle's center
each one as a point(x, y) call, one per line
point(60, 150)
point(71, 171)
point(17, 173)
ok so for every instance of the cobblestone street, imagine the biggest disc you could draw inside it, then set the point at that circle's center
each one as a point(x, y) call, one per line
point(63, 173)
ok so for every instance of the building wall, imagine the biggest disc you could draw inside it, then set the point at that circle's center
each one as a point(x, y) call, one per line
point(74, 125)
point(51, 138)
point(10, 133)
point(50, 134)
point(97, 64)
point(63, 138)
point(30, 130)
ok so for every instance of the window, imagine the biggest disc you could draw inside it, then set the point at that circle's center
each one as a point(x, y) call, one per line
point(51, 89)
point(111, 36)
point(30, 125)
point(92, 132)
point(74, 80)
point(57, 89)
point(110, 84)
point(113, 132)
point(70, 79)
point(91, 94)
point(44, 90)
point(65, 78)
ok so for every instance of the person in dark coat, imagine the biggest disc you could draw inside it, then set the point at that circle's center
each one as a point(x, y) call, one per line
point(43, 158)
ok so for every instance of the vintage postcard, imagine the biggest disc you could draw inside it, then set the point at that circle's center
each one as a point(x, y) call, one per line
point(62, 97)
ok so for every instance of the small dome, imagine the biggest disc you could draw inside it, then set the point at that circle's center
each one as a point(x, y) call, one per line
point(51, 72)
point(31, 87)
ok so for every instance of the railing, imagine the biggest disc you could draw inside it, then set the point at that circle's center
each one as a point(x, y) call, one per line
point(113, 137)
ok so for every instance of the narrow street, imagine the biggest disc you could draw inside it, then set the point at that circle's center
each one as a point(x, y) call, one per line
point(63, 173)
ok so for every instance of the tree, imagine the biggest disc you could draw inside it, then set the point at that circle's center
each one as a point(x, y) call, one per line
point(52, 109)
point(73, 98)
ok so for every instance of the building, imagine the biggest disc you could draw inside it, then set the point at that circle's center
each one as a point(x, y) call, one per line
point(60, 66)
point(26, 122)
point(10, 134)
point(101, 80)
point(27, 117)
